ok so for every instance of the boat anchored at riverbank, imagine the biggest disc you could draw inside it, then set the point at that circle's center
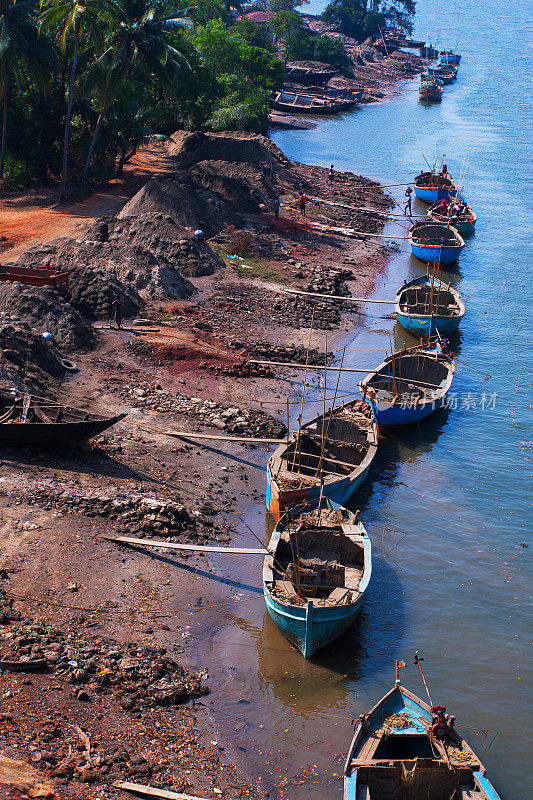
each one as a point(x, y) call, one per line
point(435, 243)
point(426, 306)
point(433, 186)
point(457, 214)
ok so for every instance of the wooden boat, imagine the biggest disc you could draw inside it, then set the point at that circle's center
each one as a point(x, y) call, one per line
point(30, 421)
point(449, 57)
point(55, 277)
point(330, 455)
point(404, 748)
point(312, 75)
point(316, 574)
point(435, 243)
point(464, 221)
point(409, 385)
point(311, 104)
point(433, 186)
point(431, 91)
point(429, 52)
point(445, 73)
point(426, 306)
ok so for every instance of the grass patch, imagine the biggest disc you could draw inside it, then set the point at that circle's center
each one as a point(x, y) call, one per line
point(258, 267)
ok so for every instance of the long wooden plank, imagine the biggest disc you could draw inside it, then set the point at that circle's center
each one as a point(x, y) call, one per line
point(193, 435)
point(292, 365)
point(335, 296)
point(153, 791)
point(197, 548)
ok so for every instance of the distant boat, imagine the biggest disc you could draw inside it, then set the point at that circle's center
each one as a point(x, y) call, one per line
point(429, 52)
point(330, 455)
point(433, 186)
point(445, 73)
point(464, 222)
point(312, 75)
point(409, 385)
point(431, 90)
point(426, 306)
point(316, 575)
point(311, 104)
point(404, 748)
point(435, 243)
point(30, 421)
point(449, 57)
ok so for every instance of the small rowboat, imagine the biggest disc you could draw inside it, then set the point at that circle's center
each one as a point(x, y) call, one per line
point(426, 306)
point(409, 385)
point(449, 57)
point(464, 221)
point(30, 421)
point(435, 243)
point(330, 455)
point(312, 104)
point(433, 186)
point(429, 52)
point(446, 73)
point(316, 575)
point(404, 748)
point(431, 90)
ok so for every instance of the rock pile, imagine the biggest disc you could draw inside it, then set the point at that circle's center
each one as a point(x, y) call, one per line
point(138, 676)
point(297, 312)
point(27, 360)
point(297, 353)
point(7, 612)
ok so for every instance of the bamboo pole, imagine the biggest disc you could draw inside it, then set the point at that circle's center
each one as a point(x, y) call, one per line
point(193, 435)
point(197, 548)
point(298, 448)
point(332, 296)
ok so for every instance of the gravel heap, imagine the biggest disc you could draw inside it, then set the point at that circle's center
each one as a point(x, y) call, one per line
point(45, 310)
point(27, 360)
point(297, 312)
point(297, 353)
point(141, 676)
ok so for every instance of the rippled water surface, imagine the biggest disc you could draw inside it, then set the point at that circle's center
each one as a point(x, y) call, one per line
point(447, 505)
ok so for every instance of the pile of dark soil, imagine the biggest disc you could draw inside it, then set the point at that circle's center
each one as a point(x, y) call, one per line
point(45, 310)
point(27, 360)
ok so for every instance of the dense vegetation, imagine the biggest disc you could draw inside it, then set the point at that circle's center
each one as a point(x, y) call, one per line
point(363, 18)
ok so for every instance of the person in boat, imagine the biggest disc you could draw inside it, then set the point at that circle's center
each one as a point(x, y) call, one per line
point(117, 306)
point(303, 201)
point(443, 206)
point(408, 203)
point(444, 169)
point(276, 207)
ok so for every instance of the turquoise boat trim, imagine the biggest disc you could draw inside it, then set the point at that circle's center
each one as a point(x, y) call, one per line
point(433, 254)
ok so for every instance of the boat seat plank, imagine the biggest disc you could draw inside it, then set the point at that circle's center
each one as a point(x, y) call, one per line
point(39, 413)
point(287, 587)
point(469, 793)
point(340, 596)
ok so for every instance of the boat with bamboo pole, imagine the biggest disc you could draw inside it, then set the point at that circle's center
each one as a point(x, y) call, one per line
point(433, 186)
point(316, 574)
point(431, 90)
point(446, 73)
point(426, 306)
point(328, 456)
point(435, 243)
point(450, 57)
point(458, 214)
point(409, 385)
point(406, 748)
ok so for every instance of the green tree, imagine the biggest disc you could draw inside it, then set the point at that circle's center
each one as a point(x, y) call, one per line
point(362, 18)
point(20, 46)
point(130, 125)
point(74, 20)
point(254, 33)
point(285, 5)
point(140, 40)
point(285, 24)
point(303, 45)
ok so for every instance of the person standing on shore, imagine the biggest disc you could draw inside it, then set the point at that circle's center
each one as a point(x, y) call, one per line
point(117, 306)
point(276, 207)
point(303, 201)
point(331, 174)
point(408, 193)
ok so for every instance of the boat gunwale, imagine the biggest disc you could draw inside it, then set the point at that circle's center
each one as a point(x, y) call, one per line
point(421, 281)
point(460, 241)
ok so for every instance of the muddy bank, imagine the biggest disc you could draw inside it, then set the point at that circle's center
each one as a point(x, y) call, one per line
point(184, 368)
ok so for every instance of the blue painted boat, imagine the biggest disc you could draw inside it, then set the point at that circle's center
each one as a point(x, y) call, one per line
point(316, 574)
point(329, 456)
point(433, 186)
point(431, 90)
point(404, 748)
point(435, 243)
point(426, 306)
point(449, 57)
point(409, 385)
point(463, 220)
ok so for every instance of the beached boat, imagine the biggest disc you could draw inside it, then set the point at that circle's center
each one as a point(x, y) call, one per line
point(309, 73)
point(435, 243)
point(463, 220)
point(404, 748)
point(329, 456)
point(445, 73)
point(409, 385)
point(316, 574)
point(429, 52)
point(449, 57)
point(30, 421)
point(296, 102)
point(426, 306)
point(433, 186)
point(431, 90)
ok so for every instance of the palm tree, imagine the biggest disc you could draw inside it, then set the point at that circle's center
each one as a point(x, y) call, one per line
point(81, 20)
point(139, 40)
point(19, 44)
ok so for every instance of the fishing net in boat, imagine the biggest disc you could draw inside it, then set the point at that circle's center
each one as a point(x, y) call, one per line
point(461, 756)
point(397, 722)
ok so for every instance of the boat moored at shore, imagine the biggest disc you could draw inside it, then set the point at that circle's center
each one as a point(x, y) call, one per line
point(426, 306)
point(435, 243)
point(433, 186)
point(458, 214)
point(449, 57)
point(298, 102)
point(430, 89)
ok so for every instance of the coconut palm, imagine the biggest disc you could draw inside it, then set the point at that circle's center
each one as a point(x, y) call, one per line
point(82, 22)
point(139, 40)
point(20, 45)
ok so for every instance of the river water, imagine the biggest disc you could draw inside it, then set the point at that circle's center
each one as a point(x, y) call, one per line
point(447, 505)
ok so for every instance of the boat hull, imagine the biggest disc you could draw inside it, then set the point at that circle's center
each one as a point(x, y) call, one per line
point(430, 194)
point(428, 325)
point(464, 228)
point(450, 58)
point(280, 500)
point(61, 436)
point(433, 254)
point(397, 415)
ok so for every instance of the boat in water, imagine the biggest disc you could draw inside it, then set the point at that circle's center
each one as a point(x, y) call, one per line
point(30, 421)
point(426, 306)
point(433, 186)
point(405, 749)
point(316, 574)
point(431, 90)
point(329, 456)
point(456, 213)
point(449, 57)
point(409, 385)
point(435, 243)
point(296, 102)
point(429, 52)
point(446, 73)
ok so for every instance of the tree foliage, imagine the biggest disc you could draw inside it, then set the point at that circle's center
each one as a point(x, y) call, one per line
point(303, 46)
point(363, 18)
